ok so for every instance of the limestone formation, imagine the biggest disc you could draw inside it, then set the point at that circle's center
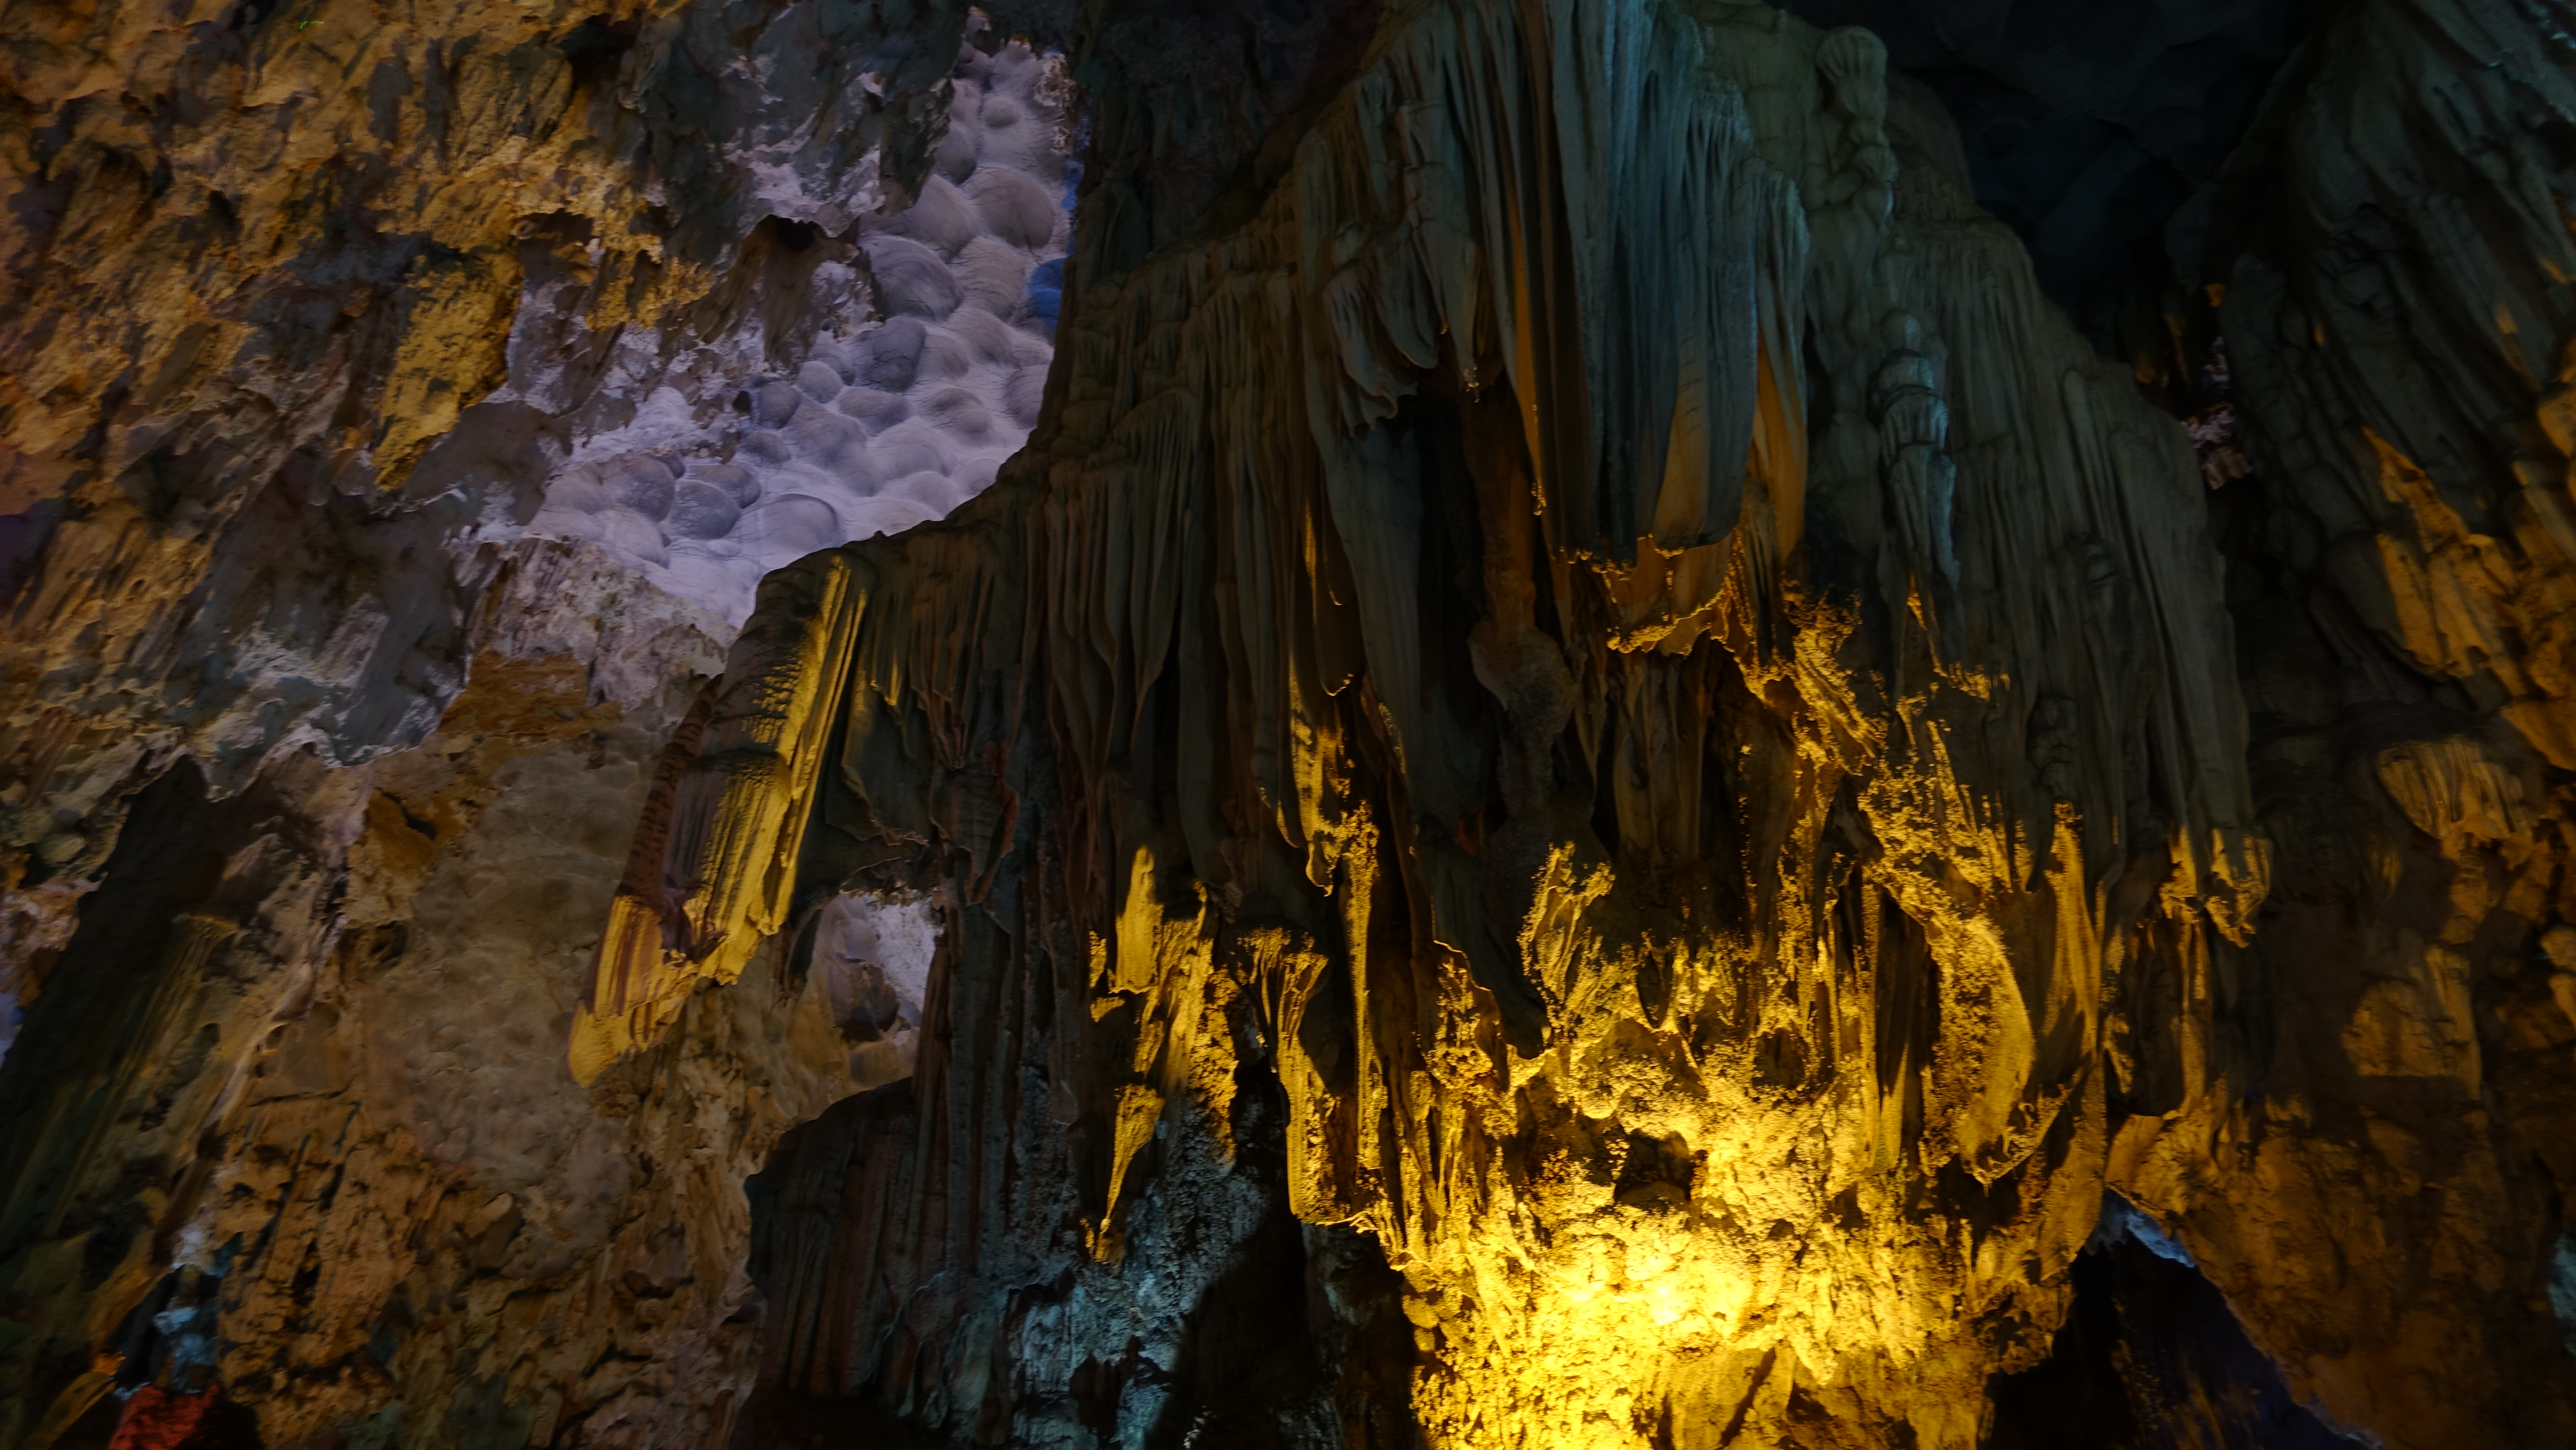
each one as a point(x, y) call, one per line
point(325, 756)
point(1466, 724)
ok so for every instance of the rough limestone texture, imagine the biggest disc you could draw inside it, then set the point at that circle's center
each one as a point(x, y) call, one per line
point(1607, 640)
point(303, 1050)
point(2378, 1166)
point(325, 755)
point(1592, 784)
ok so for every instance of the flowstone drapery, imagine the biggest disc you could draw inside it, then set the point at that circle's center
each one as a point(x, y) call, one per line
point(1591, 783)
point(1559, 639)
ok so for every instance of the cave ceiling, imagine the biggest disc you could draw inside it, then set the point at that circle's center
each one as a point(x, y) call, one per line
point(1287, 723)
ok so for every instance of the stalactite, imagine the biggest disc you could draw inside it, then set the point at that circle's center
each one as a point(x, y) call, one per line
point(1594, 781)
point(1672, 950)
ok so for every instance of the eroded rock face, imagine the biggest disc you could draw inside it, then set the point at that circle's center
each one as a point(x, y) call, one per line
point(2094, 131)
point(1589, 786)
point(312, 315)
point(2401, 582)
point(304, 1048)
point(1720, 934)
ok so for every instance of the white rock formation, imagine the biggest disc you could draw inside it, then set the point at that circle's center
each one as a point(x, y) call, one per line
point(899, 415)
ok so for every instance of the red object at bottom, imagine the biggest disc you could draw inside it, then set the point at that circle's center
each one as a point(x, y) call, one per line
point(159, 1419)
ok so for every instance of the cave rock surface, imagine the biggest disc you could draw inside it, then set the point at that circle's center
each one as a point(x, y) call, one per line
point(1593, 783)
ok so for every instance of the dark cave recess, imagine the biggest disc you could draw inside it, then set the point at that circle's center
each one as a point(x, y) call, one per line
point(2095, 131)
point(2150, 1357)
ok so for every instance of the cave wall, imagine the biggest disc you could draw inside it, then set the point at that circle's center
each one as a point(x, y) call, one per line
point(312, 311)
point(1590, 784)
point(2095, 131)
point(2397, 1104)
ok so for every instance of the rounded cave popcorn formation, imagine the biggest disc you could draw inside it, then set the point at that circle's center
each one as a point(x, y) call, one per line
point(1608, 782)
point(895, 425)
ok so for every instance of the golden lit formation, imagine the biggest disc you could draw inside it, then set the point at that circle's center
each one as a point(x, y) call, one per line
point(1563, 724)
point(1694, 927)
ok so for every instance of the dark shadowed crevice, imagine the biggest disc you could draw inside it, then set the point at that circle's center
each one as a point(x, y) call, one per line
point(1303, 1336)
point(2150, 1356)
point(1299, 1340)
point(86, 1062)
point(2094, 131)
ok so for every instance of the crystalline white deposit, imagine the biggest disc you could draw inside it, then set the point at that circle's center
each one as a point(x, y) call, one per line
point(872, 953)
point(888, 424)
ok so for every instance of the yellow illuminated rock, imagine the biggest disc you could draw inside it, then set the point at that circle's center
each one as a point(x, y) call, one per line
point(1684, 974)
point(1595, 785)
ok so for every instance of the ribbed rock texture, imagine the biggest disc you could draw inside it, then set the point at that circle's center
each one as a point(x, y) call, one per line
point(1593, 784)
